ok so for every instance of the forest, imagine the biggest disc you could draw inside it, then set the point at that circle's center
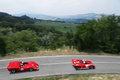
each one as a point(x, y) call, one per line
point(21, 34)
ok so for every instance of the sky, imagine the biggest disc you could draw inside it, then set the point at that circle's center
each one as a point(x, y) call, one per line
point(60, 7)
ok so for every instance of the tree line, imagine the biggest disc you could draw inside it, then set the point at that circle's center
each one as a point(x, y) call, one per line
point(99, 35)
point(20, 34)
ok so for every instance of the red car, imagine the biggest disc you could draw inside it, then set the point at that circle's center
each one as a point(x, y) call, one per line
point(81, 64)
point(17, 66)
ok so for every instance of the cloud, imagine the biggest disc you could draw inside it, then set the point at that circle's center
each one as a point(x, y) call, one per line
point(60, 7)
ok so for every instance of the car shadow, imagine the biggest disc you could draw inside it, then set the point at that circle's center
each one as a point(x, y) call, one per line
point(23, 72)
point(81, 69)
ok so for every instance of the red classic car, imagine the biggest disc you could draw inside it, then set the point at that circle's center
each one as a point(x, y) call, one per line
point(17, 66)
point(81, 64)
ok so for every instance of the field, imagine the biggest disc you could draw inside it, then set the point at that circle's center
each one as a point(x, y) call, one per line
point(80, 77)
point(63, 27)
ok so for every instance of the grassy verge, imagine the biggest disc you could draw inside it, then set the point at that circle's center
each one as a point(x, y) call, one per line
point(64, 51)
point(80, 77)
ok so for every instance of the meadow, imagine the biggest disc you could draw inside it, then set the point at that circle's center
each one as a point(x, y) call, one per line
point(63, 27)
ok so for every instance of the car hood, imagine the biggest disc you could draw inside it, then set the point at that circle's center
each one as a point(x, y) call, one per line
point(14, 64)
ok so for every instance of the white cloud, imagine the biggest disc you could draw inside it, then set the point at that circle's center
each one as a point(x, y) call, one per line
point(60, 7)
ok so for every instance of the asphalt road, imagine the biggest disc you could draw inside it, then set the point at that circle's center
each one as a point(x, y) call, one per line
point(60, 65)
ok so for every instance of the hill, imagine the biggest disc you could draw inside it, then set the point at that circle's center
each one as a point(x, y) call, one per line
point(4, 14)
point(14, 19)
point(88, 16)
point(68, 19)
point(38, 16)
point(7, 19)
point(30, 35)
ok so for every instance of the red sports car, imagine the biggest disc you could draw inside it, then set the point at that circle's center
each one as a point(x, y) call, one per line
point(17, 66)
point(81, 64)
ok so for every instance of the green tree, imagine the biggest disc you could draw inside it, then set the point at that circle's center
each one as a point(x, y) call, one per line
point(86, 36)
point(24, 40)
point(61, 41)
point(102, 35)
point(2, 46)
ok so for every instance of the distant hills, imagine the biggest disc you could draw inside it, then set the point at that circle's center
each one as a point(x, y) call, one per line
point(88, 16)
point(79, 18)
point(37, 16)
point(68, 19)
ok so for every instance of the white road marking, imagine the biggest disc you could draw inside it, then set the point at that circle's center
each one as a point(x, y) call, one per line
point(3, 67)
point(56, 63)
point(47, 64)
point(68, 63)
point(107, 62)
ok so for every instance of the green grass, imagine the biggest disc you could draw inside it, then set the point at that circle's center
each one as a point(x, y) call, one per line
point(80, 77)
point(63, 27)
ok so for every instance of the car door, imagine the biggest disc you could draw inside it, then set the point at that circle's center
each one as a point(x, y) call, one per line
point(24, 68)
point(21, 68)
point(83, 66)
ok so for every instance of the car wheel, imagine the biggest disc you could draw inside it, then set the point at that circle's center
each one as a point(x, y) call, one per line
point(13, 71)
point(31, 69)
point(77, 68)
point(92, 67)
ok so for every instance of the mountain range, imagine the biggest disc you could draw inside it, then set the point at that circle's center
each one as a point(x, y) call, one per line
point(68, 19)
point(88, 16)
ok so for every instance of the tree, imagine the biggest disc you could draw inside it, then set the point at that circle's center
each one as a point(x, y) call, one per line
point(86, 36)
point(61, 41)
point(102, 35)
point(2, 46)
point(24, 40)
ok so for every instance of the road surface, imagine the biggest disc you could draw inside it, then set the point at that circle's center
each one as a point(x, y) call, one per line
point(61, 65)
